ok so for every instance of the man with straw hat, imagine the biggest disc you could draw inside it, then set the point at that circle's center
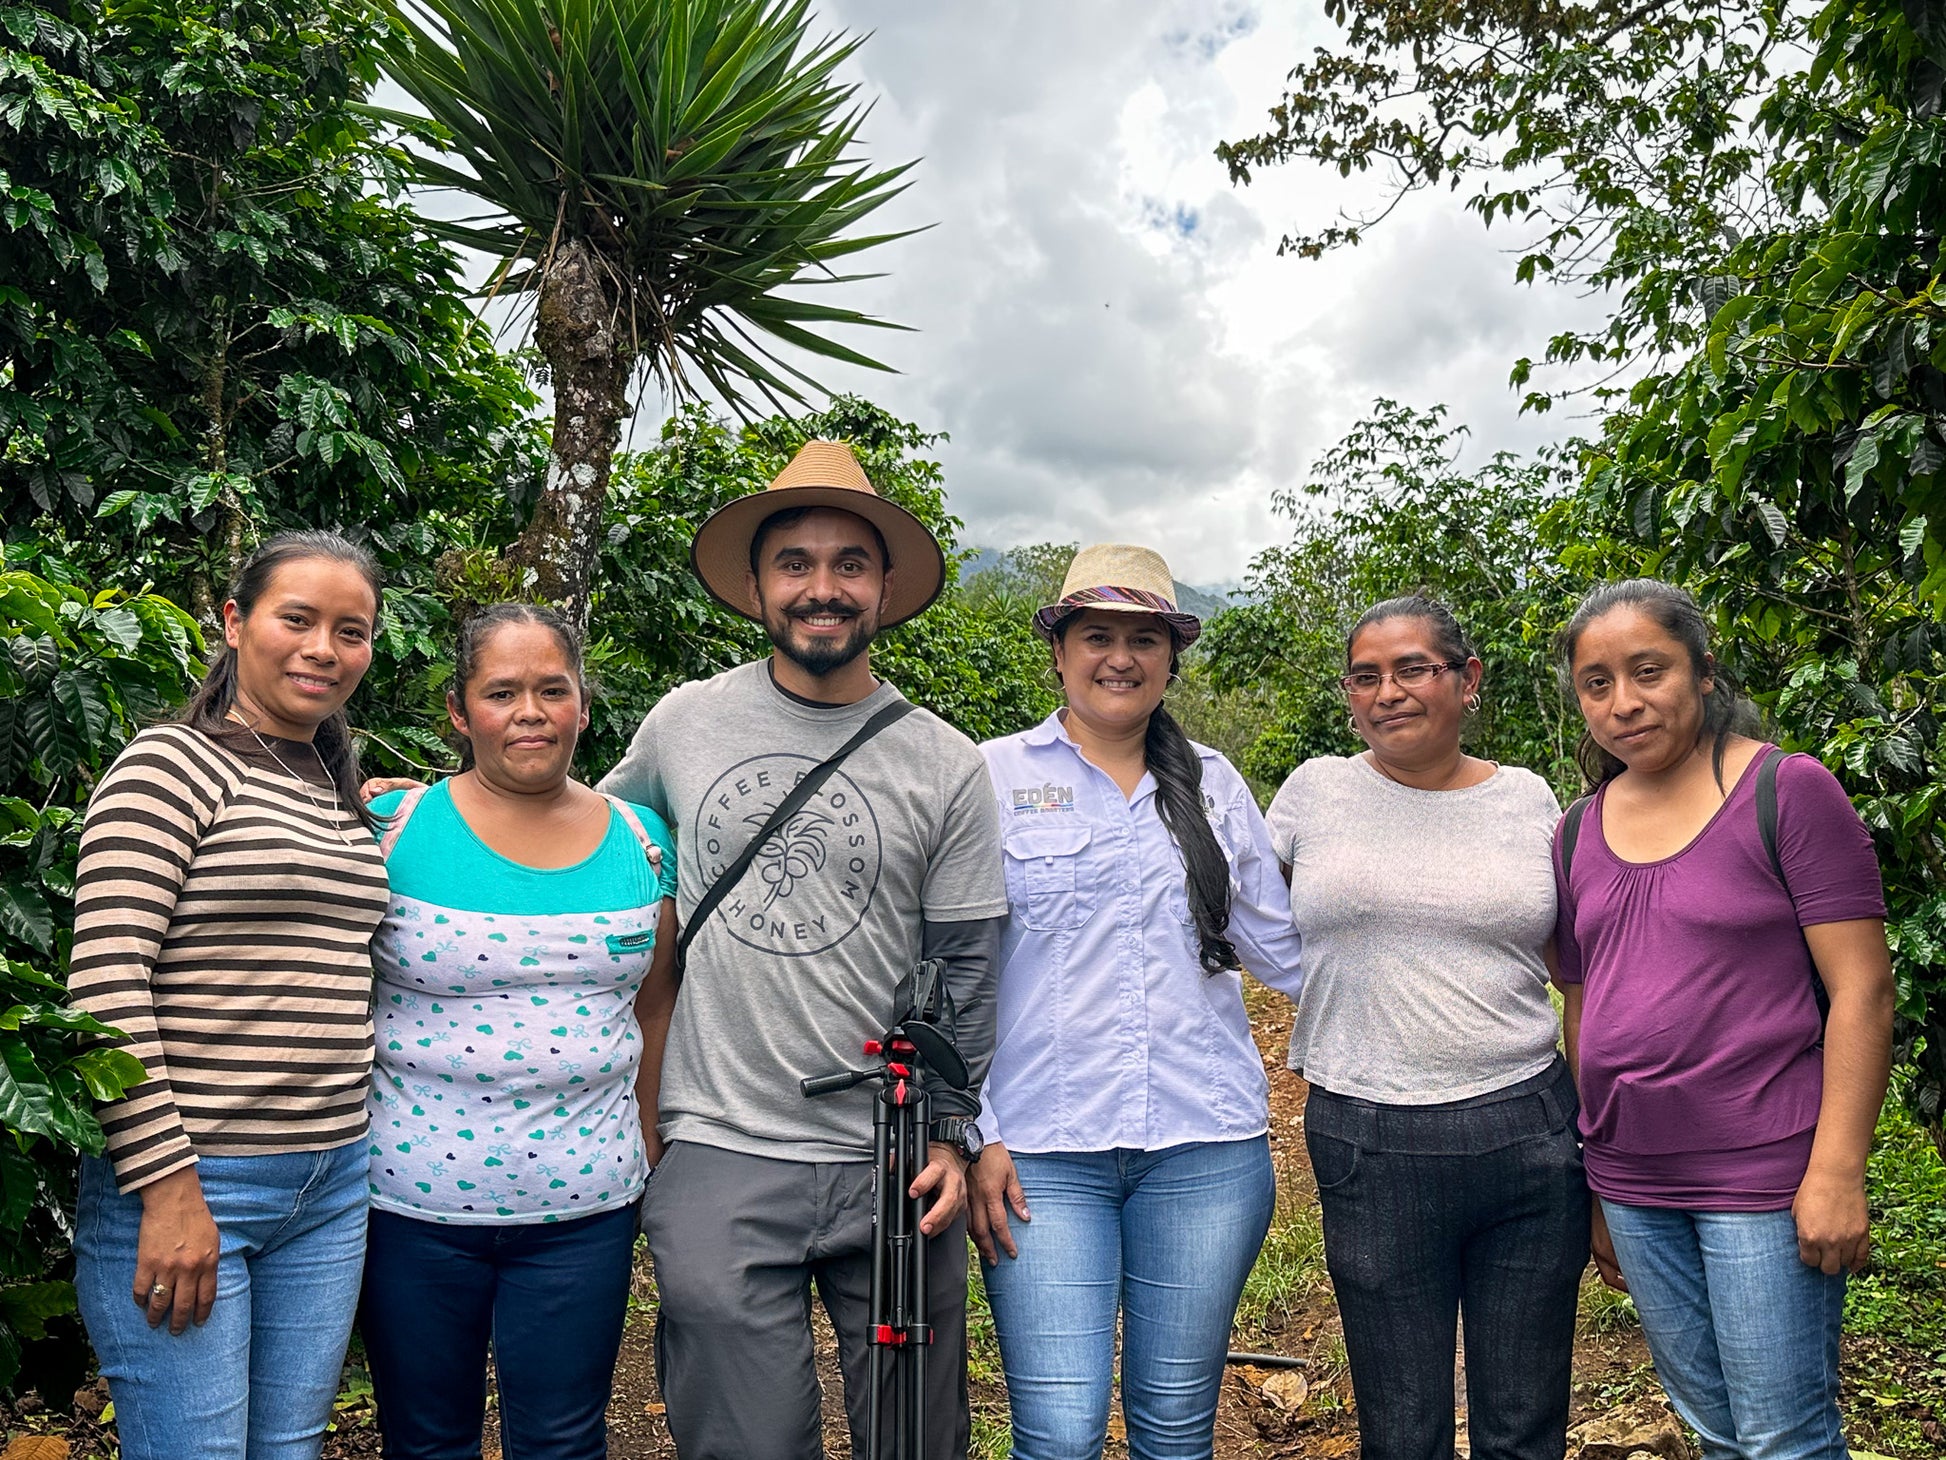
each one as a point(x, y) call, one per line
point(895, 857)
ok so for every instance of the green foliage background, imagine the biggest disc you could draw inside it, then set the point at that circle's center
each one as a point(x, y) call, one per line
point(1760, 189)
point(219, 319)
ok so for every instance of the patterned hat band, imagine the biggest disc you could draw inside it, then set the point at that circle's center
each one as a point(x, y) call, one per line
point(1085, 597)
point(1183, 627)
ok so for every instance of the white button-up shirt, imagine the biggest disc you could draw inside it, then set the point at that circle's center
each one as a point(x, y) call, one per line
point(1111, 1036)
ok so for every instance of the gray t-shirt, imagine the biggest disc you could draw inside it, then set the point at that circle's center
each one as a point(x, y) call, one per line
point(1424, 916)
point(797, 966)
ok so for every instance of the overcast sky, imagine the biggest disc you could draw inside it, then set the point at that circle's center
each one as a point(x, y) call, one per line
point(1102, 324)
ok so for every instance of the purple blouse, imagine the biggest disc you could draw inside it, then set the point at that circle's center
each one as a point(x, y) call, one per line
point(1701, 1062)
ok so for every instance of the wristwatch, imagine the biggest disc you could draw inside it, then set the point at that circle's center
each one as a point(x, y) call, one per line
point(961, 1133)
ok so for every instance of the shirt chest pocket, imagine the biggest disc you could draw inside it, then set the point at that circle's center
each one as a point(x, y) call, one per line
point(1051, 880)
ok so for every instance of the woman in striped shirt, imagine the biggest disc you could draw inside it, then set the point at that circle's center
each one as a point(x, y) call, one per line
point(228, 889)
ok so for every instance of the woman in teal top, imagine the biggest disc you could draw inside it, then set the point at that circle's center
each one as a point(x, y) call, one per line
point(529, 937)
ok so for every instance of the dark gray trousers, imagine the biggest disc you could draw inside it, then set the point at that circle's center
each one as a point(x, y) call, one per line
point(1476, 1208)
point(739, 1242)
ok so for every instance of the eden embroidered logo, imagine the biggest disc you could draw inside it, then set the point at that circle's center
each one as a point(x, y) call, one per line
point(1033, 800)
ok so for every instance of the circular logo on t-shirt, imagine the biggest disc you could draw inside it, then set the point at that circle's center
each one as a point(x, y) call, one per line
point(812, 879)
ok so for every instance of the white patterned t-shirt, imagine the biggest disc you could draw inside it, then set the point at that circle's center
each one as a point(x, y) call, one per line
point(504, 1088)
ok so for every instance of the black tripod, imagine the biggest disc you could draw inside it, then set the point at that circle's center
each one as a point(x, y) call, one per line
point(899, 1333)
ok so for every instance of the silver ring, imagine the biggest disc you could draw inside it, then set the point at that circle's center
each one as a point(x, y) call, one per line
point(160, 1290)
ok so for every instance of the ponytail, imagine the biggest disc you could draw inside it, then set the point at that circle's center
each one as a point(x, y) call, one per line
point(1178, 773)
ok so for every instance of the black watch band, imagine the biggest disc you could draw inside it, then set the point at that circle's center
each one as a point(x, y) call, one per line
point(961, 1133)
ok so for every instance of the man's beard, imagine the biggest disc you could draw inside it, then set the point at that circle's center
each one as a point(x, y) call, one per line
point(822, 656)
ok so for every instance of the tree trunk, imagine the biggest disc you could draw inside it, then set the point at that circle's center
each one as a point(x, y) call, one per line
point(581, 331)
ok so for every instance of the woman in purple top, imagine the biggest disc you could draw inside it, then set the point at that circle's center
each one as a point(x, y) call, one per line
point(1725, 1130)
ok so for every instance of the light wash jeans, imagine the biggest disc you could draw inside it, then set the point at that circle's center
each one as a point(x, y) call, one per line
point(1167, 1237)
point(257, 1381)
point(1744, 1335)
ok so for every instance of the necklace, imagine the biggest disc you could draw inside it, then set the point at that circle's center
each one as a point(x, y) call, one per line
point(337, 806)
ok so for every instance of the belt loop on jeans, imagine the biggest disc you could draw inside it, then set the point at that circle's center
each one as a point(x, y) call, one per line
point(1552, 1108)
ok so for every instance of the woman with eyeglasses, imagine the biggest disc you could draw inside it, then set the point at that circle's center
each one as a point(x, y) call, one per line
point(1441, 1119)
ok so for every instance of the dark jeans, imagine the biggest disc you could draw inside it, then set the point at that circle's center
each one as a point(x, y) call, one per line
point(739, 1242)
point(552, 1297)
point(1430, 1211)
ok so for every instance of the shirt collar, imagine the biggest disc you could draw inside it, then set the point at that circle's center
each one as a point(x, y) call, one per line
point(1049, 732)
point(1052, 731)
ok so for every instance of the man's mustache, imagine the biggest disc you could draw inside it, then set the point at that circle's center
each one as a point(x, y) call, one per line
point(826, 610)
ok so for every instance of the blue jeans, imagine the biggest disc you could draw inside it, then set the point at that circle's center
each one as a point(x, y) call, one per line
point(1744, 1335)
point(1167, 1237)
point(552, 1298)
point(1470, 1208)
point(257, 1381)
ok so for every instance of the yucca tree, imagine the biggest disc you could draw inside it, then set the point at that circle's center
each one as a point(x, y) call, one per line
point(658, 172)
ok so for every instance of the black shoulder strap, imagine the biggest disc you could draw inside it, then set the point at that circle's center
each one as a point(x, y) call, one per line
point(786, 809)
point(1767, 808)
point(1767, 830)
point(1571, 833)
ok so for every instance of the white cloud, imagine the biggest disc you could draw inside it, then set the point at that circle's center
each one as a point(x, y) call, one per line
point(1102, 324)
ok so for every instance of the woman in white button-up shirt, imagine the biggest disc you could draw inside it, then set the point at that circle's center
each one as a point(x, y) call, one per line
point(1126, 1165)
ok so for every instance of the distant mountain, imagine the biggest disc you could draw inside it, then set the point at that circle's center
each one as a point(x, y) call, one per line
point(982, 559)
point(1203, 602)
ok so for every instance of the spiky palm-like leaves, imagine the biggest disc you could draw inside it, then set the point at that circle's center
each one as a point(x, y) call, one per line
point(658, 172)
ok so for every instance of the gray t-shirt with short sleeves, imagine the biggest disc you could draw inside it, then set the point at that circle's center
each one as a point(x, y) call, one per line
point(797, 966)
point(1424, 915)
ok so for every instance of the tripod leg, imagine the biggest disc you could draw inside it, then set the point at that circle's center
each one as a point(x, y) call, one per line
point(902, 1235)
point(919, 1343)
point(879, 1313)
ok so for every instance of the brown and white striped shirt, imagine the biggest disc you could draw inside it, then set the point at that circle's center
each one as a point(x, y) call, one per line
point(223, 924)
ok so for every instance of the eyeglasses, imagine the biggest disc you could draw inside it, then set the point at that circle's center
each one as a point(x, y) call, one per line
point(1408, 676)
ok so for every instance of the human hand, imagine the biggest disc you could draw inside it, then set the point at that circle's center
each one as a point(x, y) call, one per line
point(1602, 1247)
point(995, 1186)
point(176, 1252)
point(945, 1178)
point(1834, 1228)
point(375, 786)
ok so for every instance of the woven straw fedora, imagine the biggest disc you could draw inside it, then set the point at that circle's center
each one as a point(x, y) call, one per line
point(822, 474)
point(1123, 579)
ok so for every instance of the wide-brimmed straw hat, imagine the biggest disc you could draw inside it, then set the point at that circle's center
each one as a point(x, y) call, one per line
point(822, 474)
point(1122, 579)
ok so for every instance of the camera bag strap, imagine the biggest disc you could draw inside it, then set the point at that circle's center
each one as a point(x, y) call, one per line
point(803, 791)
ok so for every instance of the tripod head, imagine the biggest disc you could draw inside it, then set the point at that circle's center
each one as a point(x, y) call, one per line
point(914, 1047)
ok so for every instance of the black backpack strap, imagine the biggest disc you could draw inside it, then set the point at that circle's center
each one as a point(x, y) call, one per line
point(1571, 833)
point(1767, 830)
point(803, 791)
point(1767, 809)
